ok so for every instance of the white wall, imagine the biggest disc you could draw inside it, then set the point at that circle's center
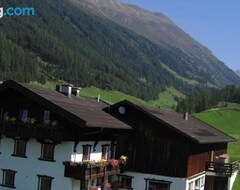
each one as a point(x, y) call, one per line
point(95, 155)
point(28, 168)
point(231, 180)
point(139, 182)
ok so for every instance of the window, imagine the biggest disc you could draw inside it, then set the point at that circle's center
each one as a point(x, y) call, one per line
point(46, 116)
point(105, 150)
point(19, 148)
point(153, 184)
point(23, 115)
point(47, 152)
point(86, 152)
point(113, 151)
point(5, 116)
point(197, 184)
point(100, 181)
point(202, 181)
point(8, 178)
point(190, 186)
point(125, 181)
point(44, 182)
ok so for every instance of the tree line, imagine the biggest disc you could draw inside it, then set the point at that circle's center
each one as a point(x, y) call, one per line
point(202, 101)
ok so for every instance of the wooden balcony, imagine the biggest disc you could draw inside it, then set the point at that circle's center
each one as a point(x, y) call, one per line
point(86, 172)
point(25, 130)
point(222, 169)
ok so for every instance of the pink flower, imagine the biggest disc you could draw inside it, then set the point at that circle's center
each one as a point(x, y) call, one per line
point(114, 163)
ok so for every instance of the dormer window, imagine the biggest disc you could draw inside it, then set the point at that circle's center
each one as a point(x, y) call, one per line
point(23, 115)
point(86, 152)
point(105, 151)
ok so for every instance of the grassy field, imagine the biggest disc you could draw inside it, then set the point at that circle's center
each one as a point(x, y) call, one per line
point(165, 101)
point(228, 121)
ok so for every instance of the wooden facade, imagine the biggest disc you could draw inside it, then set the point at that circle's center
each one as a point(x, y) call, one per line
point(63, 122)
point(156, 147)
point(158, 142)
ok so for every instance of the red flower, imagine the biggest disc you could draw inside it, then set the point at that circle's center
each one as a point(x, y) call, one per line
point(114, 163)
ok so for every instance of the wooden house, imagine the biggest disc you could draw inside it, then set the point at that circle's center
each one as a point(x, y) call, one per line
point(171, 151)
point(54, 139)
point(51, 141)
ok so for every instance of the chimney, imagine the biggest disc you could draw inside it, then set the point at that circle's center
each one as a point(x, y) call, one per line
point(65, 89)
point(185, 116)
point(76, 91)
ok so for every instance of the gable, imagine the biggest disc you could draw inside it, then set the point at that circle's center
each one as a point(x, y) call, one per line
point(192, 129)
point(82, 112)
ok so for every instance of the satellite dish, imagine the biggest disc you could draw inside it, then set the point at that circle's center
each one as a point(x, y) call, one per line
point(122, 110)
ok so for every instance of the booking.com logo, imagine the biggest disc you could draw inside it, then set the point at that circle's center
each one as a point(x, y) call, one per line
point(17, 11)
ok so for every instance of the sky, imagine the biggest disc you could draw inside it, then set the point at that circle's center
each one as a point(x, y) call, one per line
point(213, 23)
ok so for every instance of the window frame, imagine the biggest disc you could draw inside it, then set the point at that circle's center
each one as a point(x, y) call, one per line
point(197, 185)
point(5, 115)
point(13, 173)
point(16, 146)
point(190, 185)
point(113, 149)
point(148, 181)
point(128, 181)
point(24, 113)
point(202, 181)
point(86, 151)
point(45, 177)
point(46, 116)
point(105, 151)
point(43, 152)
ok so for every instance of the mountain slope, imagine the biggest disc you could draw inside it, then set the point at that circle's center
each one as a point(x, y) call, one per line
point(65, 42)
point(238, 72)
point(161, 30)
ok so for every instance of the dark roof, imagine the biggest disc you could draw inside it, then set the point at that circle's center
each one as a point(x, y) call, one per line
point(81, 111)
point(192, 128)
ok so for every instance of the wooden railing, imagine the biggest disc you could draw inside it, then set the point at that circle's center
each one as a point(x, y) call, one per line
point(222, 169)
point(83, 172)
point(25, 130)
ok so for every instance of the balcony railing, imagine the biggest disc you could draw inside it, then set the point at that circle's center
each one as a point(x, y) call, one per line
point(90, 171)
point(222, 169)
point(25, 130)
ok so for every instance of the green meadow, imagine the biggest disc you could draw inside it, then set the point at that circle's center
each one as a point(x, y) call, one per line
point(227, 120)
point(165, 101)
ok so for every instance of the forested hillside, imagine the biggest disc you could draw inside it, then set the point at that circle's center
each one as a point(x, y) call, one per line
point(203, 101)
point(64, 42)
